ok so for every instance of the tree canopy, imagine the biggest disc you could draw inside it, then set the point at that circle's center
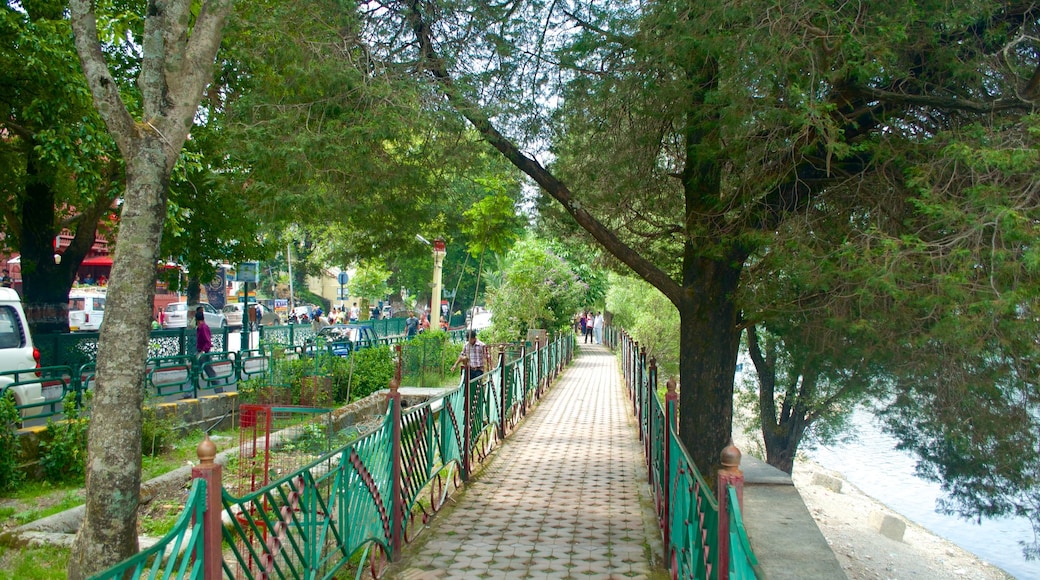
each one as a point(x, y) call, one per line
point(704, 145)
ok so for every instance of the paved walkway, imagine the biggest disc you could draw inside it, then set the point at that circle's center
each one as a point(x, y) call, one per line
point(565, 497)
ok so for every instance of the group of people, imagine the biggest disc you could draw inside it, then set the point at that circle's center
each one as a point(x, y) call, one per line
point(590, 326)
point(90, 281)
point(6, 281)
point(413, 325)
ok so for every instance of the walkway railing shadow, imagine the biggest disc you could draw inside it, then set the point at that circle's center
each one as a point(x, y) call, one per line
point(359, 505)
point(703, 531)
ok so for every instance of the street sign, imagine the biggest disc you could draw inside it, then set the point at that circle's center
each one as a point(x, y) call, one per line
point(343, 278)
point(248, 272)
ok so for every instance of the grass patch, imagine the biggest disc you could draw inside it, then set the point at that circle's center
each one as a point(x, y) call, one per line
point(33, 491)
point(44, 563)
point(68, 500)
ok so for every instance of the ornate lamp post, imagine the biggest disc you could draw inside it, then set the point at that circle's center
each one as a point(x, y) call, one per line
point(438, 261)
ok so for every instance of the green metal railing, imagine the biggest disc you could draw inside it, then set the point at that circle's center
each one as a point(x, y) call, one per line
point(39, 393)
point(178, 554)
point(358, 504)
point(702, 540)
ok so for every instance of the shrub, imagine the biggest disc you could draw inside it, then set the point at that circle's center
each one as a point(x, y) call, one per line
point(373, 369)
point(10, 474)
point(157, 433)
point(63, 450)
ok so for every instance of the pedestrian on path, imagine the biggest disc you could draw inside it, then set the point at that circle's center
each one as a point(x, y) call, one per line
point(589, 316)
point(597, 326)
point(473, 358)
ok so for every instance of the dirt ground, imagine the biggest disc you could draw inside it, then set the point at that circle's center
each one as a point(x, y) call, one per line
point(865, 554)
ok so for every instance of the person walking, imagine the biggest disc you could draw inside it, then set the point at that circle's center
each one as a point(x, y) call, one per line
point(203, 341)
point(473, 358)
point(411, 325)
point(589, 316)
point(583, 325)
point(597, 326)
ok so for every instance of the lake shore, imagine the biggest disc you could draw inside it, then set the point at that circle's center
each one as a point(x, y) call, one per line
point(844, 518)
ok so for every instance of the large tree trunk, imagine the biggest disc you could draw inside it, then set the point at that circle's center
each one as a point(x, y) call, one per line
point(180, 42)
point(45, 285)
point(109, 530)
point(708, 341)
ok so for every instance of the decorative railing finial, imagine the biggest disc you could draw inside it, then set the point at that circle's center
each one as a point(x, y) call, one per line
point(206, 451)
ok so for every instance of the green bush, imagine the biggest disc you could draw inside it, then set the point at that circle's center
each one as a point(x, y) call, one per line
point(366, 371)
point(157, 433)
point(372, 370)
point(10, 475)
point(63, 449)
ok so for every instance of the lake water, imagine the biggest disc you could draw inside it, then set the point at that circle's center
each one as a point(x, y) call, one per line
point(873, 464)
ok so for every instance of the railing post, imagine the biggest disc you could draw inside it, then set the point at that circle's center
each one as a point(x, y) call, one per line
point(504, 384)
point(523, 379)
point(467, 421)
point(400, 362)
point(730, 474)
point(637, 384)
point(396, 485)
point(648, 440)
point(210, 471)
point(671, 401)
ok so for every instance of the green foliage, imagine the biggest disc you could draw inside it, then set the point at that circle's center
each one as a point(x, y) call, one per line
point(157, 433)
point(427, 360)
point(63, 447)
point(369, 281)
point(11, 476)
point(373, 369)
point(538, 290)
point(492, 224)
point(649, 318)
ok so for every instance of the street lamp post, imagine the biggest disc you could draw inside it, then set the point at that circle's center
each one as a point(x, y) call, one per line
point(438, 262)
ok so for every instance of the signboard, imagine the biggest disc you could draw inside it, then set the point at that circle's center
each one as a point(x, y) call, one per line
point(248, 272)
point(343, 278)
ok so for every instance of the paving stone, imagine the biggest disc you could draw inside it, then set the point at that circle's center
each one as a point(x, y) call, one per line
point(560, 499)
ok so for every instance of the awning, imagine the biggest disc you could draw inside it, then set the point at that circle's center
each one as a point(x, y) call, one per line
point(15, 260)
point(97, 261)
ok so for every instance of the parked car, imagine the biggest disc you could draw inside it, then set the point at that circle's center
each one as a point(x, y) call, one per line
point(233, 313)
point(86, 310)
point(177, 314)
point(17, 353)
point(341, 339)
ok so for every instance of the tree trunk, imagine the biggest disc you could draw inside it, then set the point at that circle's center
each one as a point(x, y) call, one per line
point(708, 340)
point(108, 533)
point(782, 429)
point(45, 285)
point(193, 291)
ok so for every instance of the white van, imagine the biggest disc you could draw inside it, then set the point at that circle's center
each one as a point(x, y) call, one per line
point(86, 310)
point(17, 352)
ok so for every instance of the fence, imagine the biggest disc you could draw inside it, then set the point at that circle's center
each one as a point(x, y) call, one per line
point(172, 369)
point(703, 532)
point(76, 349)
point(361, 503)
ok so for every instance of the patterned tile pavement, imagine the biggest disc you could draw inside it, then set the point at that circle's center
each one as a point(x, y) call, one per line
point(565, 496)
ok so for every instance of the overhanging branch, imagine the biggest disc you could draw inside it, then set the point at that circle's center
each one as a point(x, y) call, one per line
point(548, 182)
